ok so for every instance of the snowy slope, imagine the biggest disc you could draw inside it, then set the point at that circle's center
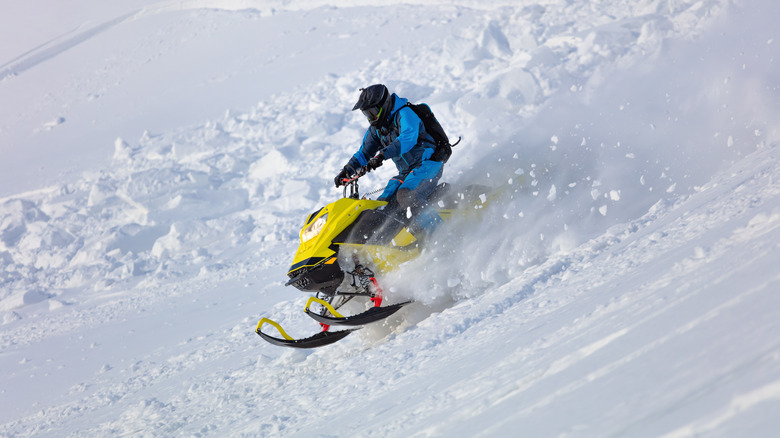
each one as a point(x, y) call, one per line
point(159, 158)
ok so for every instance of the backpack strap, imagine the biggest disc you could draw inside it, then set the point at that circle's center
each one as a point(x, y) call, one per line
point(392, 115)
point(441, 144)
point(411, 105)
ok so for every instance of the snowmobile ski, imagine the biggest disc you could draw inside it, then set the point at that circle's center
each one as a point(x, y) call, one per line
point(373, 314)
point(319, 340)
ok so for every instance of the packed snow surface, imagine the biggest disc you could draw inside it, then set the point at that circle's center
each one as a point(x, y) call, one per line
point(621, 280)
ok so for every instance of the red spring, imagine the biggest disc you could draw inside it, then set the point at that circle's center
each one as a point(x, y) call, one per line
point(325, 327)
point(377, 299)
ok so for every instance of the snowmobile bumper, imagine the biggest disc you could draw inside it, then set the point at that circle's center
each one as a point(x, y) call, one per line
point(322, 275)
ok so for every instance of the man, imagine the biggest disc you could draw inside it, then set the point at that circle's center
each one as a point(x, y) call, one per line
point(397, 133)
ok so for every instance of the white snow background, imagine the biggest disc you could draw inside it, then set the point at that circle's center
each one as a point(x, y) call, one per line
point(158, 159)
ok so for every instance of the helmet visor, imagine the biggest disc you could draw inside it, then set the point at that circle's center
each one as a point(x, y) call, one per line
point(373, 114)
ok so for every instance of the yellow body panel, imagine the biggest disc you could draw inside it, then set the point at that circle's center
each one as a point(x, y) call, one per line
point(340, 213)
point(403, 238)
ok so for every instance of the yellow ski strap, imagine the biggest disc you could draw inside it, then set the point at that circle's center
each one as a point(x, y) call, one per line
point(326, 304)
point(275, 324)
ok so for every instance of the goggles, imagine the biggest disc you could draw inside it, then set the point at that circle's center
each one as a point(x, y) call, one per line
point(373, 113)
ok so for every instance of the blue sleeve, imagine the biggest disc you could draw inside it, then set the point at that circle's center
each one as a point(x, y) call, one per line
point(409, 132)
point(368, 149)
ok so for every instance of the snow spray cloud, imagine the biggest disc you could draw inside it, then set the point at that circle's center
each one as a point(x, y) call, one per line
point(604, 153)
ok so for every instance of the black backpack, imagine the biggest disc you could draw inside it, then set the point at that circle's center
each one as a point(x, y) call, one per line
point(433, 127)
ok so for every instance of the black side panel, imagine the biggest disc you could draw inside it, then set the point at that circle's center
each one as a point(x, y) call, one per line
point(372, 226)
point(379, 227)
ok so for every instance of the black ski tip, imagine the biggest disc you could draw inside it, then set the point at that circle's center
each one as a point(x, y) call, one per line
point(319, 340)
point(371, 315)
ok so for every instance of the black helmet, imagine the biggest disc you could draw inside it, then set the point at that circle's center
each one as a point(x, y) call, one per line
point(375, 103)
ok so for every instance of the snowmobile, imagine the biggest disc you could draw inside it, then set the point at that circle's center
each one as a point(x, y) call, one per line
point(342, 247)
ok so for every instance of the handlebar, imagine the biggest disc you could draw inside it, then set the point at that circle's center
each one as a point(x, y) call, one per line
point(351, 183)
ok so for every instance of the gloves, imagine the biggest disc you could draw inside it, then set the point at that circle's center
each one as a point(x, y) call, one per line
point(339, 180)
point(375, 162)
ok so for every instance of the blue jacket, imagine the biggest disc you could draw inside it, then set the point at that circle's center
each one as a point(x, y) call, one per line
point(402, 139)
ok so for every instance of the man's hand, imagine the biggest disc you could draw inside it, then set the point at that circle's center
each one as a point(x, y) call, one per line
point(339, 180)
point(375, 162)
